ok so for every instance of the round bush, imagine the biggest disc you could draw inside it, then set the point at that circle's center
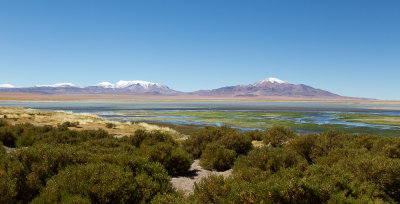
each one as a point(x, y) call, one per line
point(278, 135)
point(198, 141)
point(7, 137)
point(101, 183)
point(238, 142)
point(174, 159)
point(211, 190)
point(217, 157)
point(8, 186)
point(263, 162)
point(256, 135)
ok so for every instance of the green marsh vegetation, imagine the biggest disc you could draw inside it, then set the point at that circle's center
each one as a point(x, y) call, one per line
point(235, 118)
point(375, 119)
point(297, 121)
point(59, 165)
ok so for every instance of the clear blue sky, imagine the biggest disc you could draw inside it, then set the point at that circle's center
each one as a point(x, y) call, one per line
point(349, 47)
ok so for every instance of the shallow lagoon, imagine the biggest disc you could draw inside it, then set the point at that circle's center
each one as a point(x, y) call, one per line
point(392, 109)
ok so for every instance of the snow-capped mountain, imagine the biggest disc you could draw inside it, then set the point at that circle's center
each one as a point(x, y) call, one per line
point(126, 84)
point(120, 87)
point(132, 87)
point(268, 87)
point(135, 86)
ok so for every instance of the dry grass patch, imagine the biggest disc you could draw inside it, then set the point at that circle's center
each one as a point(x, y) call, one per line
point(258, 144)
point(17, 115)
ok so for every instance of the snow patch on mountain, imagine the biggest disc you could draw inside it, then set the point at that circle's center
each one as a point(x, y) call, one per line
point(6, 86)
point(126, 84)
point(59, 85)
point(271, 80)
point(106, 84)
point(145, 84)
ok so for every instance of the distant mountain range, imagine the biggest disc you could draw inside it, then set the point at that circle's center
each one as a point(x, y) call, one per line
point(269, 87)
point(121, 87)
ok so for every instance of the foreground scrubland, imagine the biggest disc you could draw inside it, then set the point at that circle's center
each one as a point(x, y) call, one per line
point(60, 164)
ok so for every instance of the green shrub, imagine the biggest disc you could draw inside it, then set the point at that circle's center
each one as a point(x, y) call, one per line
point(174, 159)
point(305, 145)
point(117, 178)
point(140, 166)
point(176, 198)
point(3, 122)
point(7, 136)
point(22, 135)
point(137, 138)
point(329, 183)
point(154, 137)
point(256, 135)
point(211, 190)
point(161, 147)
point(73, 199)
point(68, 124)
point(264, 162)
point(392, 149)
point(278, 135)
point(319, 185)
point(149, 138)
point(378, 169)
point(282, 189)
point(110, 125)
point(217, 157)
point(106, 146)
point(41, 162)
point(7, 187)
point(236, 141)
point(216, 189)
point(198, 141)
point(70, 136)
point(55, 149)
point(8, 182)
point(101, 183)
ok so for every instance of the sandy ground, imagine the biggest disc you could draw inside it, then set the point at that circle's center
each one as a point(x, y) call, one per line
point(9, 149)
point(186, 182)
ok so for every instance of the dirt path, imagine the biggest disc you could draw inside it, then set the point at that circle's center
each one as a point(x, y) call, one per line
point(196, 173)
